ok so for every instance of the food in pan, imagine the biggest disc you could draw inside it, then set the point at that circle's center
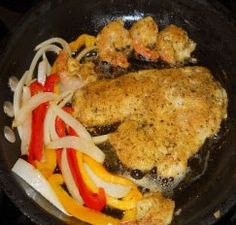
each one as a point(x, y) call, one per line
point(85, 129)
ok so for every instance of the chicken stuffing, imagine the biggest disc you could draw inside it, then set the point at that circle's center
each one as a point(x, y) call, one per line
point(165, 115)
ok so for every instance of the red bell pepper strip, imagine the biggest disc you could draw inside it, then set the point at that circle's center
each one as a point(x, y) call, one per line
point(92, 200)
point(51, 82)
point(38, 116)
point(36, 142)
point(61, 129)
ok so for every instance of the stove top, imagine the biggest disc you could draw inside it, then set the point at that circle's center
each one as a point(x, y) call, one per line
point(10, 13)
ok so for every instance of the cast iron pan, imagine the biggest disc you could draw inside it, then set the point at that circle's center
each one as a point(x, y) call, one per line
point(208, 24)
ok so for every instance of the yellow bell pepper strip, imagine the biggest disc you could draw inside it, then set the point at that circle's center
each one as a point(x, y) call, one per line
point(129, 215)
point(101, 172)
point(92, 200)
point(84, 39)
point(127, 203)
point(48, 166)
point(77, 210)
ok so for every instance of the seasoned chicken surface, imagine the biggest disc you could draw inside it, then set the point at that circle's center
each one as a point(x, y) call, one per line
point(154, 209)
point(165, 115)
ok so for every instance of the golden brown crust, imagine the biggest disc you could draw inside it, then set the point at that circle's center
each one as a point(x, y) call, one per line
point(154, 209)
point(174, 46)
point(114, 44)
point(165, 115)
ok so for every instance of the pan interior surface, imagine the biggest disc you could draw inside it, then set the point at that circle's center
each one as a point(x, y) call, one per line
point(215, 34)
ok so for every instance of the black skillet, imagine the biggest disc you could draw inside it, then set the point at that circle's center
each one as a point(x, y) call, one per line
point(208, 24)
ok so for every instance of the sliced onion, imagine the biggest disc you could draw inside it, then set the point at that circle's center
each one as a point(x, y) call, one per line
point(68, 178)
point(48, 66)
point(32, 103)
point(114, 190)
point(64, 98)
point(35, 179)
point(84, 52)
point(42, 72)
point(38, 55)
point(18, 96)
point(26, 126)
point(100, 139)
point(46, 126)
point(52, 128)
point(58, 40)
point(80, 145)
point(72, 122)
point(18, 93)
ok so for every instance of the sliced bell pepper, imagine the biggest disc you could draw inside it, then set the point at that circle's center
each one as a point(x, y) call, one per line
point(101, 172)
point(127, 203)
point(38, 115)
point(82, 40)
point(75, 209)
point(49, 164)
point(51, 82)
point(92, 200)
point(61, 129)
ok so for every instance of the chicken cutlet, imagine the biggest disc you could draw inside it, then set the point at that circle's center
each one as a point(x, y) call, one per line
point(165, 115)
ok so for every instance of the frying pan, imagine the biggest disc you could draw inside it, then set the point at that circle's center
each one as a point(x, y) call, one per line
point(207, 23)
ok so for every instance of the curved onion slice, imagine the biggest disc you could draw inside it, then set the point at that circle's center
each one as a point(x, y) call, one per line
point(42, 72)
point(68, 178)
point(114, 190)
point(26, 126)
point(46, 126)
point(72, 122)
point(58, 40)
point(31, 104)
point(80, 145)
point(52, 128)
point(18, 93)
point(84, 52)
point(100, 139)
point(35, 179)
point(17, 97)
point(38, 55)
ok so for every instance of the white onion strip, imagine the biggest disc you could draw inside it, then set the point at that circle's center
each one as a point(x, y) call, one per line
point(78, 144)
point(18, 93)
point(100, 139)
point(72, 122)
point(38, 55)
point(31, 104)
point(35, 179)
point(42, 72)
point(58, 40)
point(17, 97)
point(48, 70)
point(64, 98)
point(68, 178)
point(46, 126)
point(26, 126)
point(52, 128)
point(114, 190)
point(84, 52)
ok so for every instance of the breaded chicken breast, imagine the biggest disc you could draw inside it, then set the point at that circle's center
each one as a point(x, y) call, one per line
point(165, 115)
point(154, 209)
